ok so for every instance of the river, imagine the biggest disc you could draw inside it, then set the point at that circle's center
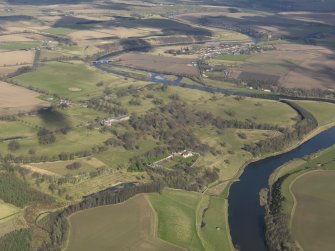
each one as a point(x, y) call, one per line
point(246, 216)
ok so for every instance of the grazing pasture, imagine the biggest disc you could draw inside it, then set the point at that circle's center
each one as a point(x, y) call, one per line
point(126, 226)
point(60, 167)
point(6, 211)
point(19, 45)
point(62, 77)
point(323, 112)
point(177, 213)
point(14, 99)
point(313, 223)
point(177, 66)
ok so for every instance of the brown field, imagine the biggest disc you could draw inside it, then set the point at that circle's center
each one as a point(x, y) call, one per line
point(91, 36)
point(15, 99)
point(171, 65)
point(293, 65)
point(13, 58)
point(127, 226)
point(5, 70)
point(314, 219)
point(15, 37)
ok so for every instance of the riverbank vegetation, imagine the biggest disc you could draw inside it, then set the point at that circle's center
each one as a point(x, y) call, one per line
point(94, 124)
point(289, 199)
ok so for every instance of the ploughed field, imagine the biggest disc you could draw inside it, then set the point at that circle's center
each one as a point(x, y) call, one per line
point(126, 226)
point(176, 66)
point(314, 220)
point(14, 99)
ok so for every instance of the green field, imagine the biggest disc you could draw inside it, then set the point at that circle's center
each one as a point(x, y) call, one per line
point(322, 111)
point(314, 220)
point(14, 46)
point(78, 139)
point(126, 226)
point(59, 31)
point(177, 213)
point(59, 167)
point(308, 193)
point(215, 233)
point(6, 211)
point(74, 80)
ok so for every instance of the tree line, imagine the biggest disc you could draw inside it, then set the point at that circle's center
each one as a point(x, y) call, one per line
point(302, 127)
point(56, 223)
point(277, 233)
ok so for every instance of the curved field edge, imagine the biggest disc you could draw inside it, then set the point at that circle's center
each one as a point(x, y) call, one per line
point(123, 226)
point(317, 162)
point(206, 201)
point(203, 217)
point(312, 214)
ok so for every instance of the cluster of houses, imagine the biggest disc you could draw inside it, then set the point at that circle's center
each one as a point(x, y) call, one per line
point(227, 49)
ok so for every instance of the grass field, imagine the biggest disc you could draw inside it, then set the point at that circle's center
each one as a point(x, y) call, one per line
point(314, 220)
point(177, 214)
point(126, 226)
point(19, 45)
point(59, 31)
point(59, 167)
point(308, 197)
point(76, 140)
point(322, 111)
point(215, 232)
point(6, 211)
point(262, 111)
point(12, 129)
point(63, 78)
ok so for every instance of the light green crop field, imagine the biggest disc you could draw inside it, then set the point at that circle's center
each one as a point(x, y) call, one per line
point(215, 232)
point(323, 159)
point(322, 111)
point(60, 31)
point(10, 129)
point(59, 167)
point(314, 220)
point(176, 211)
point(126, 226)
point(74, 80)
point(74, 116)
point(19, 45)
point(6, 211)
point(78, 139)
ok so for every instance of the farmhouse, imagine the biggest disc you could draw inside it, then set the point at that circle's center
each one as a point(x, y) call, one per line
point(186, 154)
point(110, 121)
